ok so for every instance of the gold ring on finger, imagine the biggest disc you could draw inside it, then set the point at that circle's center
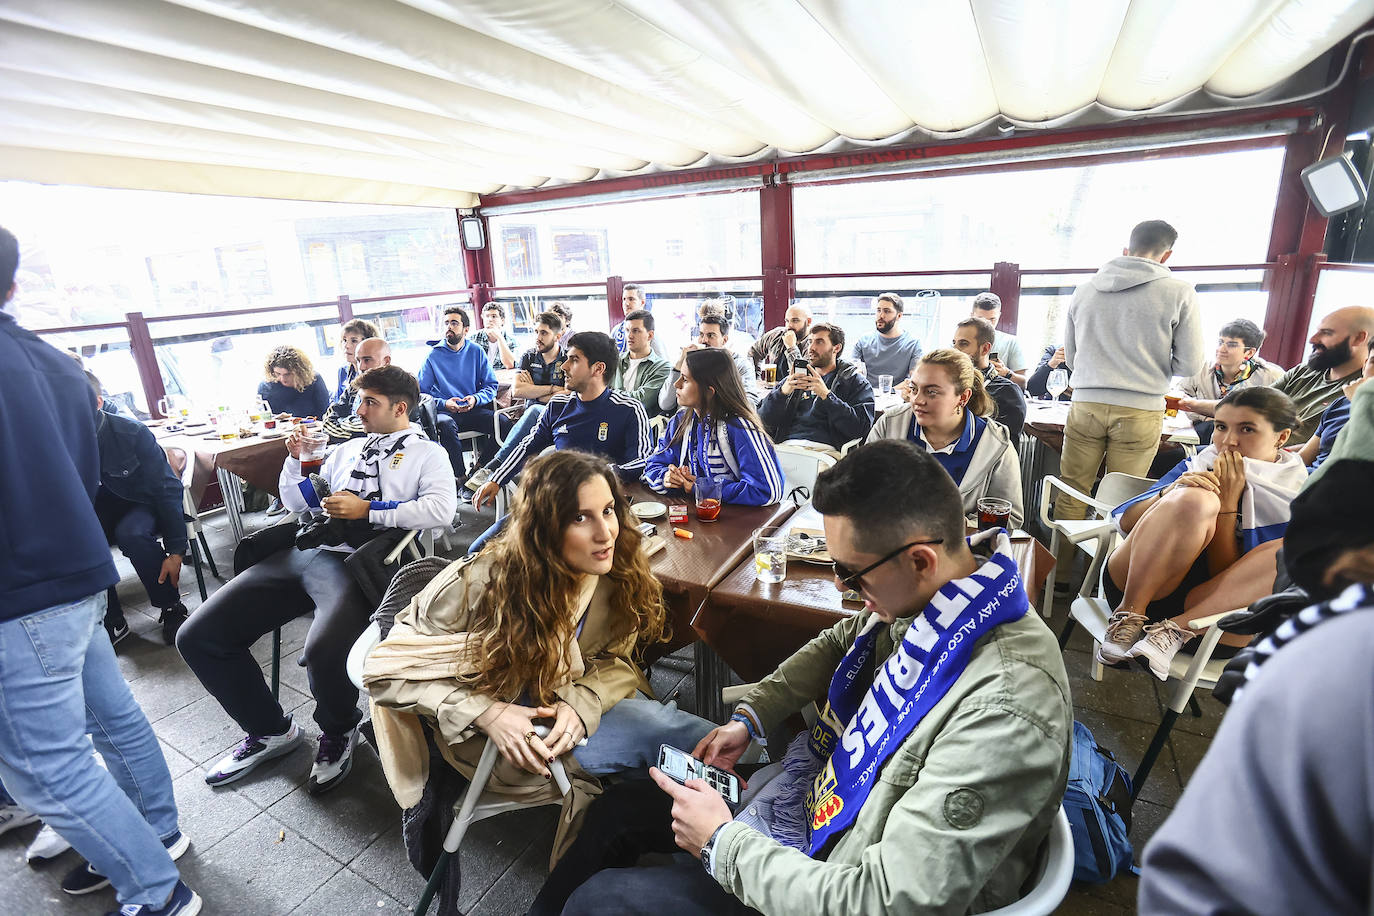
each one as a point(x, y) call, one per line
point(529, 738)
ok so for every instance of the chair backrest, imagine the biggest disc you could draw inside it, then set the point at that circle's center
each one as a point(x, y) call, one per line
point(1053, 874)
point(426, 414)
point(801, 465)
point(1117, 487)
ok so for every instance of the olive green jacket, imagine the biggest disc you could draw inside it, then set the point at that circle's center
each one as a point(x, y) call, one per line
point(957, 817)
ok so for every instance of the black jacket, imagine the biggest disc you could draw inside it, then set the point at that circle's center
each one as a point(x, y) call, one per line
point(134, 468)
point(1035, 384)
point(847, 414)
point(1011, 403)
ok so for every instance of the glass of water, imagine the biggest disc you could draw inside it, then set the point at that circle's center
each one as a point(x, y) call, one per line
point(885, 384)
point(1057, 383)
point(770, 554)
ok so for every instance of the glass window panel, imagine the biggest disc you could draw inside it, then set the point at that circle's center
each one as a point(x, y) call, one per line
point(164, 254)
point(106, 353)
point(1337, 289)
point(1222, 205)
point(676, 306)
point(587, 303)
point(702, 235)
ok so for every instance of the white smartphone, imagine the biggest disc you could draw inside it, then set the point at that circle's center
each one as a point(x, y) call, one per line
point(681, 766)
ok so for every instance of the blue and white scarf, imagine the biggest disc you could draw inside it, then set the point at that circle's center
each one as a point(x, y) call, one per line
point(1270, 488)
point(828, 774)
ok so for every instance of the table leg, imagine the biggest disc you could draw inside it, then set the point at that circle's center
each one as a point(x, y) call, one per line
point(712, 674)
point(232, 492)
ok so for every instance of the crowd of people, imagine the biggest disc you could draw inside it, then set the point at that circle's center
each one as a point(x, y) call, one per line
point(948, 683)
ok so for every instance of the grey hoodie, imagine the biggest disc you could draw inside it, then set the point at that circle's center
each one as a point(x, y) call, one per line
point(1129, 330)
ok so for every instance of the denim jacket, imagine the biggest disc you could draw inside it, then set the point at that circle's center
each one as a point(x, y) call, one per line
point(134, 468)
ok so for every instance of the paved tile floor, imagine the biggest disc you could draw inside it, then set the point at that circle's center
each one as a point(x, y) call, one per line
point(264, 846)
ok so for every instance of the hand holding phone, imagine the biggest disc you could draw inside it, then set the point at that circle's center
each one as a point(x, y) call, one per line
point(681, 766)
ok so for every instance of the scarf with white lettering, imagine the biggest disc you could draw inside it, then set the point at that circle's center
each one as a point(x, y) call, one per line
point(870, 713)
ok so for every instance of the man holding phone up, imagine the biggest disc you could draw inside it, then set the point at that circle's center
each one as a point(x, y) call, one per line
point(824, 401)
point(931, 778)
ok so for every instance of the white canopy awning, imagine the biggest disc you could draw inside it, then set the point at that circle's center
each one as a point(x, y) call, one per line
point(435, 102)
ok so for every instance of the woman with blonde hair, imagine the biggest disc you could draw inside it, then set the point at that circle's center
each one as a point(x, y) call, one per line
point(546, 625)
point(292, 385)
point(947, 413)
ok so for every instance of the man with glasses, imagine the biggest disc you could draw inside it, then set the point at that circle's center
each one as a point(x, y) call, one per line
point(1237, 364)
point(936, 767)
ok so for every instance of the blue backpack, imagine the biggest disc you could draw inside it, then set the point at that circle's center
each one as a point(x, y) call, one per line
point(1097, 802)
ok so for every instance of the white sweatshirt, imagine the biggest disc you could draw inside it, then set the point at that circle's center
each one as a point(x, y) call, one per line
point(417, 483)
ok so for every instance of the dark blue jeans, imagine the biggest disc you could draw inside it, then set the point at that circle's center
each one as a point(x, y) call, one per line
point(132, 527)
point(596, 874)
point(477, 420)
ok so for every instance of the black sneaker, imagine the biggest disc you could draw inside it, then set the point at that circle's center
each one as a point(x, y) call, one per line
point(117, 629)
point(171, 619)
point(84, 879)
point(333, 762)
point(183, 902)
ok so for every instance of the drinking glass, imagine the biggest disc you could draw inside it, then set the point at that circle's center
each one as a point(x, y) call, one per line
point(885, 384)
point(994, 513)
point(1057, 383)
point(312, 448)
point(707, 492)
point(770, 554)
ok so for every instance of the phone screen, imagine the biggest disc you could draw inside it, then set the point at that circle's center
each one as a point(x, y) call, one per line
point(682, 766)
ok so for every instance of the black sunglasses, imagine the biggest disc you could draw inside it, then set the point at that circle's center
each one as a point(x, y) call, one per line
point(853, 580)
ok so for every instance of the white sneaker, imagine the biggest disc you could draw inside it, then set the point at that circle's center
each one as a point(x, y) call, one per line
point(13, 817)
point(251, 751)
point(47, 845)
point(1123, 632)
point(332, 763)
point(479, 477)
point(1159, 645)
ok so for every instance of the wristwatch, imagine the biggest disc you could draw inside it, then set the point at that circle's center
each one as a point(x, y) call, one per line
point(708, 851)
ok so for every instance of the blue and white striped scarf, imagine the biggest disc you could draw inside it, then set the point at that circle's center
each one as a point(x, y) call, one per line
point(1270, 487)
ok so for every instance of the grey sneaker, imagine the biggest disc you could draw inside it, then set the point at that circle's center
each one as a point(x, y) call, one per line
point(1123, 632)
point(1161, 643)
point(332, 763)
point(252, 751)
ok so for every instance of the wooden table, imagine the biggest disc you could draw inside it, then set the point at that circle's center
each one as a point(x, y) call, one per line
point(756, 626)
point(689, 569)
point(256, 459)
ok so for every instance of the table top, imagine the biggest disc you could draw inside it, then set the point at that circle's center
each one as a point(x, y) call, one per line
point(715, 547)
point(809, 595)
point(1052, 415)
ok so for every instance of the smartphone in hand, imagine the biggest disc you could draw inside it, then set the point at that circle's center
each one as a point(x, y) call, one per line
point(681, 766)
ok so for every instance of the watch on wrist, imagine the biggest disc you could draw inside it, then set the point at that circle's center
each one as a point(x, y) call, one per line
point(708, 851)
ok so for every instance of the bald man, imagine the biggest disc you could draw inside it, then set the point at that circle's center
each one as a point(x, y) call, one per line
point(1340, 346)
point(372, 353)
point(782, 346)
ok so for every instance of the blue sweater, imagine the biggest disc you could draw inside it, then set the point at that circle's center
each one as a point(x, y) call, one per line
point(52, 548)
point(753, 476)
point(312, 402)
point(459, 373)
point(613, 424)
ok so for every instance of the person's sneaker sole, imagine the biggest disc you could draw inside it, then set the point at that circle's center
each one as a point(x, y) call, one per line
point(267, 755)
point(1147, 663)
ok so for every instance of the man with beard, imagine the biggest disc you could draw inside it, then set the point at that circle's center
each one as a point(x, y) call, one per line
point(781, 346)
point(458, 375)
point(889, 350)
point(824, 405)
point(1339, 349)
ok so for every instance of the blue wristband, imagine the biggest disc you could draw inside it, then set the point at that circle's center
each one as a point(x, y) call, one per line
point(748, 725)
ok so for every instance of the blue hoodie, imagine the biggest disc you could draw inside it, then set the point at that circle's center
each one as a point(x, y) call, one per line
point(449, 373)
point(52, 548)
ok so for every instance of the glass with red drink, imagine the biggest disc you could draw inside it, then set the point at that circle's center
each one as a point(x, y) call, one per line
point(994, 513)
point(707, 492)
point(313, 442)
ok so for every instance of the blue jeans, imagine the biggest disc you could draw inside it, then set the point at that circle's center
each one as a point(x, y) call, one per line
point(133, 527)
point(522, 428)
point(631, 731)
point(59, 681)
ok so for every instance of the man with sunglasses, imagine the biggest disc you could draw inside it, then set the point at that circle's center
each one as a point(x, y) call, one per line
point(936, 767)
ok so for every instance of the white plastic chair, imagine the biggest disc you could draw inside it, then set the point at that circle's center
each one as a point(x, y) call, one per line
point(476, 804)
point(1093, 535)
point(195, 534)
point(1053, 874)
point(1188, 672)
point(800, 466)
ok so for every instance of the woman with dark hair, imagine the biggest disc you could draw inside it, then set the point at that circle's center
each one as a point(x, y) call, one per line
point(292, 385)
point(948, 413)
point(715, 433)
point(1196, 523)
point(546, 624)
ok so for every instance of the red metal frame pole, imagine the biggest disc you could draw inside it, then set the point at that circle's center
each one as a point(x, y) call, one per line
point(615, 300)
point(345, 310)
point(1006, 283)
point(145, 358)
point(777, 250)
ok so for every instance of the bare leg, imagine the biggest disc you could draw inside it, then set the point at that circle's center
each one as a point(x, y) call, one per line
point(1163, 545)
point(1239, 585)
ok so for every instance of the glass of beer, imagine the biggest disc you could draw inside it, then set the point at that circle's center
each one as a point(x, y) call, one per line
point(312, 448)
point(707, 492)
point(994, 513)
point(1171, 404)
point(770, 374)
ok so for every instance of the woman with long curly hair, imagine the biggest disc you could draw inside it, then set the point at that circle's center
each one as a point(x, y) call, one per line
point(545, 625)
point(292, 385)
point(716, 433)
